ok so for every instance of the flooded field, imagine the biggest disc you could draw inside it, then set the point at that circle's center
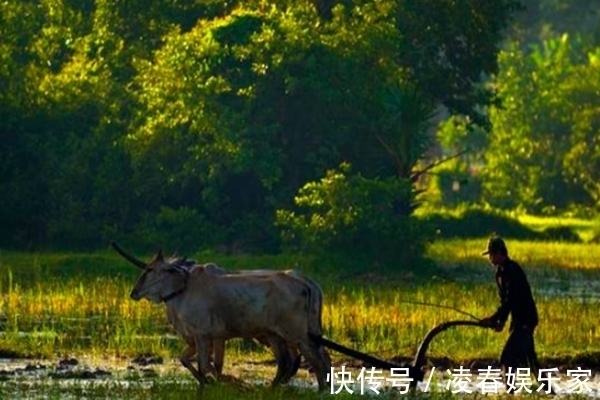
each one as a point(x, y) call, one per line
point(87, 378)
point(69, 330)
point(587, 291)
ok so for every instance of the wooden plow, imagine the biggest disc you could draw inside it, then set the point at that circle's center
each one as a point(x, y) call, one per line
point(416, 370)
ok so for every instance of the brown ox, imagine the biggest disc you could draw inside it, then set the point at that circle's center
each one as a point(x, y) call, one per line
point(209, 307)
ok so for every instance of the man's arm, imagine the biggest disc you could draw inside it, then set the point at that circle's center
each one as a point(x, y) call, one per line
point(498, 319)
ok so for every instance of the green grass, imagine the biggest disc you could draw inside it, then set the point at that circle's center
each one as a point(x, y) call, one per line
point(585, 228)
point(53, 305)
point(549, 256)
point(547, 222)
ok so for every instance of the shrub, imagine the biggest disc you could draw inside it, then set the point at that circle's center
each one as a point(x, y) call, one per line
point(355, 218)
point(561, 234)
point(596, 232)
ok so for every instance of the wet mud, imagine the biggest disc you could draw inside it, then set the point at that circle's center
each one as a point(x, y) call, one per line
point(147, 368)
point(72, 368)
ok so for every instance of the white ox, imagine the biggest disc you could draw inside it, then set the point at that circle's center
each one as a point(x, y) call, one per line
point(211, 308)
point(288, 357)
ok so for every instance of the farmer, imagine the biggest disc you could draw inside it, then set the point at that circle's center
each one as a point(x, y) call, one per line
point(515, 299)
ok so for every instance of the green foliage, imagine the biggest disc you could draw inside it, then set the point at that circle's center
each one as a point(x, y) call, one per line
point(582, 161)
point(183, 229)
point(346, 213)
point(457, 133)
point(272, 111)
point(456, 184)
point(544, 19)
point(596, 231)
point(478, 222)
point(544, 143)
point(116, 111)
point(456, 178)
point(22, 190)
point(561, 234)
point(456, 54)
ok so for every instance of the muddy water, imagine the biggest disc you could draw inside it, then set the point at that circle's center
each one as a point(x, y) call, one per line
point(579, 289)
point(576, 287)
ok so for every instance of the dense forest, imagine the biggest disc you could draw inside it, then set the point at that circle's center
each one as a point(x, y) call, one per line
point(258, 126)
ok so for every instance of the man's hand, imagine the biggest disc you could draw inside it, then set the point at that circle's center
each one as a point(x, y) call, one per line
point(491, 323)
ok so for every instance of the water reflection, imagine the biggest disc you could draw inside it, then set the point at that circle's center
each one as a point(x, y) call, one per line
point(576, 289)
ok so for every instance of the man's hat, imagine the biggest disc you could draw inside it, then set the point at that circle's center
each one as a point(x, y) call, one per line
point(495, 246)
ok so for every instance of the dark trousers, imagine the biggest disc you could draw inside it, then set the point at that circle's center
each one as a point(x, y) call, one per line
point(519, 351)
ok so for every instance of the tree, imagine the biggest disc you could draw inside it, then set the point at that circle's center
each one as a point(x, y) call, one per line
point(23, 208)
point(448, 58)
point(534, 129)
point(220, 112)
point(263, 100)
point(582, 161)
point(364, 220)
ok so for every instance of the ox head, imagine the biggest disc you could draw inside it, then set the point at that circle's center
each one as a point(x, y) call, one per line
point(161, 280)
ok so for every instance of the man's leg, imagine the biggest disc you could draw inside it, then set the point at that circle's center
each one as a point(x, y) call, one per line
point(531, 355)
point(519, 352)
point(507, 360)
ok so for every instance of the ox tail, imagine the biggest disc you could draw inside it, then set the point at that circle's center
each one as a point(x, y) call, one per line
point(316, 304)
point(374, 361)
point(415, 373)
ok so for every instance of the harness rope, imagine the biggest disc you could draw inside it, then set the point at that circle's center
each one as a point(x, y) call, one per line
point(422, 303)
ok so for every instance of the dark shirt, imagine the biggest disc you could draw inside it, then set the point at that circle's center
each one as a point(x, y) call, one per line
point(515, 296)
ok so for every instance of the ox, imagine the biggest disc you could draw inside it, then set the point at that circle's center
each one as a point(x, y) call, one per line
point(288, 358)
point(209, 308)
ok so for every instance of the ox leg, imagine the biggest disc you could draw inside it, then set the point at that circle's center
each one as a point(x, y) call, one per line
point(325, 357)
point(295, 359)
point(284, 361)
point(203, 346)
point(311, 352)
point(186, 359)
point(218, 352)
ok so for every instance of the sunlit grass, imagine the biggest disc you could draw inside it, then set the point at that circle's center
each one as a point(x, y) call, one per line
point(98, 317)
point(547, 222)
point(530, 254)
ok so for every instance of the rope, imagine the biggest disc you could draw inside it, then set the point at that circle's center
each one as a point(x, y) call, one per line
point(422, 303)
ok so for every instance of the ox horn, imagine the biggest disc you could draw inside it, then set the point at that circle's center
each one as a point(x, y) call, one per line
point(127, 256)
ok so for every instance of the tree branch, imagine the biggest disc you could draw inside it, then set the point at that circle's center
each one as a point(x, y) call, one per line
point(392, 153)
point(415, 175)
